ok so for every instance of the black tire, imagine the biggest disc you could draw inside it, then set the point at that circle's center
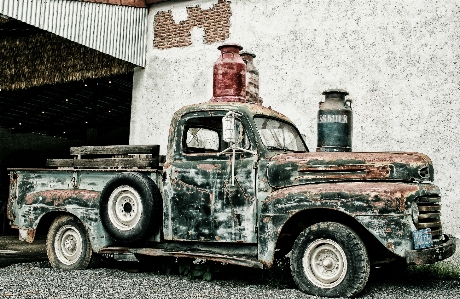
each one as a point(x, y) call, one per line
point(395, 268)
point(330, 260)
point(130, 207)
point(67, 244)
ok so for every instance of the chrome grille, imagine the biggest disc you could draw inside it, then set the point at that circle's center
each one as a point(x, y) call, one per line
point(429, 216)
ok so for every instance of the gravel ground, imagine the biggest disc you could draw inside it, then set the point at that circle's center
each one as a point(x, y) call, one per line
point(132, 280)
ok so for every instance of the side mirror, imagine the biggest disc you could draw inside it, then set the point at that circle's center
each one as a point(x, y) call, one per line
point(228, 127)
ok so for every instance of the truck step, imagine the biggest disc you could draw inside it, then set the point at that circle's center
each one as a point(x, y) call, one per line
point(240, 260)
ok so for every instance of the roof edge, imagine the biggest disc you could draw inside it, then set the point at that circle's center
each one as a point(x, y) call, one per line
point(133, 3)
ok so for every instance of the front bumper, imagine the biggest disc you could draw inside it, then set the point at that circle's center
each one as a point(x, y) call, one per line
point(433, 254)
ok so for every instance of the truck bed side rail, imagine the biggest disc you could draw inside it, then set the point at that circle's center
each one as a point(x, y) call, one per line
point(112, 156)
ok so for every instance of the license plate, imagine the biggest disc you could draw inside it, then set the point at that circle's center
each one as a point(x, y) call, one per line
point(422, 238)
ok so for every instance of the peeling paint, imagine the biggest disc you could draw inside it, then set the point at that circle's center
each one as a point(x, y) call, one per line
point(301, 168)
point(85, 198)
point(27, 235)
point(204, 201)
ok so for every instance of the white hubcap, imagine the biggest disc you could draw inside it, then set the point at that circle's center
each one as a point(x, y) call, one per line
point(124, 207)
point(325, 263)
point(68, 245)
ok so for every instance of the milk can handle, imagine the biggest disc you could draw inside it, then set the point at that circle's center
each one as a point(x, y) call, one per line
point(348, 102)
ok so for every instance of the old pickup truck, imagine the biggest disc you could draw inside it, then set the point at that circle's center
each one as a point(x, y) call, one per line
point(238, 185)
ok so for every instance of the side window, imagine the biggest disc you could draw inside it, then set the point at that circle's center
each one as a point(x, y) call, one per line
point(201, 140)
point(204, 135)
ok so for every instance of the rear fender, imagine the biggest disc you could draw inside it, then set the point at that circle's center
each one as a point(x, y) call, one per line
point(83, 204)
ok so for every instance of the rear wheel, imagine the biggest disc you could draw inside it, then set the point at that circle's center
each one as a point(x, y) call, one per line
point(329, 259)
point(67, 244)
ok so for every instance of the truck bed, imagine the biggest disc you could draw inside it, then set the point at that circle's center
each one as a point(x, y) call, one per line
point(74, 186)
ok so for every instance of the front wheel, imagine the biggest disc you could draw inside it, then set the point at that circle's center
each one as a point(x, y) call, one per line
point(329, 259)
point(67, 244)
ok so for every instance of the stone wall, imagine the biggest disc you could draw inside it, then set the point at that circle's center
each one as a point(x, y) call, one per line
point(215, 21)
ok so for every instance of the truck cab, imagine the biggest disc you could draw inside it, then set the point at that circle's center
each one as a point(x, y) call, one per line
point(211, 195)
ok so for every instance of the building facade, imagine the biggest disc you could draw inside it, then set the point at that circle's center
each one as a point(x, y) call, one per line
point(399, 61)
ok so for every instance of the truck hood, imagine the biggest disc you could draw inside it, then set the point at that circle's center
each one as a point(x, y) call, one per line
point(292, 169)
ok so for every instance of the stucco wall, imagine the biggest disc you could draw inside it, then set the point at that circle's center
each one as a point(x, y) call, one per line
point(399, 60)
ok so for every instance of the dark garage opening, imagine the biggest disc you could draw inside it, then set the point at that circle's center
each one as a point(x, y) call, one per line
point(45, 121)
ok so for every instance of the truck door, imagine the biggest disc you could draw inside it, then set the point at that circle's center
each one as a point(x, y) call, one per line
point(203, 205)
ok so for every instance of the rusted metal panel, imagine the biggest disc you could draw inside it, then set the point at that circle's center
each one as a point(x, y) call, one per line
point(27, 235)
point(228, 259)
point(360, 198)
point(383, 208)
point(302, 168)
point(199, 202)
point(393, 231)
point(433, 254)
point(39, 192)
point(269, 229)
point(82, 198)
point(11, 211)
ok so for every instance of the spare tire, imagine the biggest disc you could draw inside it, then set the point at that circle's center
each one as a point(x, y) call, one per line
point(130, 207)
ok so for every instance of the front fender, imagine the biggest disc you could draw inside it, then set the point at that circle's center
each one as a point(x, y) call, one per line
point(382, 208)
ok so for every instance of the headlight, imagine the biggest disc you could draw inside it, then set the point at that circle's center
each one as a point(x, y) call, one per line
point(424, 173)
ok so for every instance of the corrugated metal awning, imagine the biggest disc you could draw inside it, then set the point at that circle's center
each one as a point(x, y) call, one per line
point(119, 31)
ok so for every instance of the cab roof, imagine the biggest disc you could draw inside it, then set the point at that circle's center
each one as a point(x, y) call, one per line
point(250, 109)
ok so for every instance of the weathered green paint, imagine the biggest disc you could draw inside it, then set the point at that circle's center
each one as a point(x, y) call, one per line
point(35, 193)
point(293, 169)
point(382, 208)
point(200, 205)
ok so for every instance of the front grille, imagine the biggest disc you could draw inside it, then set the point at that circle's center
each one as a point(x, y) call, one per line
point(429, 208)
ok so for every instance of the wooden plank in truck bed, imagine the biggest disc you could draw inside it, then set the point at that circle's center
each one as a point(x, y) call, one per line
point(154, 150)
point(104, 162)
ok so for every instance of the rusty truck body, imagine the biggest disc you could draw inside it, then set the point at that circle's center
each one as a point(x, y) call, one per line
point(238, 185)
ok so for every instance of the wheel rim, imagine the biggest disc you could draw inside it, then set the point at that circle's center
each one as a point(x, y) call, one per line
point(68, 244)
point(325, 263)
point(124, 207)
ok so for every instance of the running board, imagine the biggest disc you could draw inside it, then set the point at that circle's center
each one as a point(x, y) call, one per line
point(227, 259)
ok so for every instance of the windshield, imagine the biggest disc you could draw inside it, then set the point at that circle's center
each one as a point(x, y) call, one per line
point(279, 135)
